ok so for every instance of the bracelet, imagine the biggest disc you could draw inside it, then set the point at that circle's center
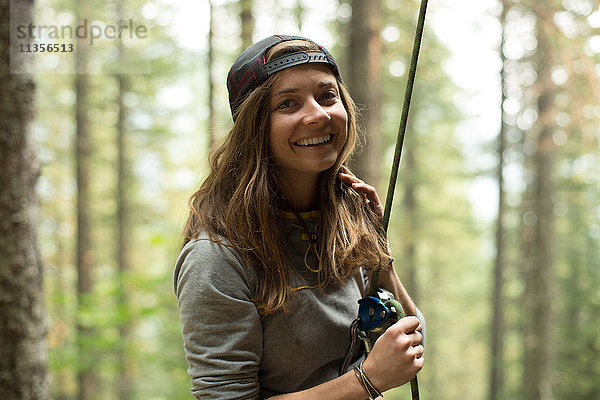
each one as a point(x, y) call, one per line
point(366, 379)
point(359, 377)
point(366, 383)
point(362, 382)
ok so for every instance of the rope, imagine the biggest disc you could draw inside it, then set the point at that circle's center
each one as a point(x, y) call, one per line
point(401, 132)
point(414, 385)
point(354, 341)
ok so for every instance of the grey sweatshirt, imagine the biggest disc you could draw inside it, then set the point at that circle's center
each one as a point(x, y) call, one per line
point(235, 353)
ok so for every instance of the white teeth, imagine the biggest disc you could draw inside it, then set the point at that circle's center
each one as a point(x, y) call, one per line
point(314, 140)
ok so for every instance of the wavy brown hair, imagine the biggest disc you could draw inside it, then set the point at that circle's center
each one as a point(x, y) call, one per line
point(239, 201)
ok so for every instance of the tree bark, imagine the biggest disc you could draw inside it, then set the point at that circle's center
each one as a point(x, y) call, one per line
point(364, 83)
point(23, 349)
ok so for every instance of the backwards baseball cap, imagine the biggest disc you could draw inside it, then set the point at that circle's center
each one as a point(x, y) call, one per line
point(251, 68)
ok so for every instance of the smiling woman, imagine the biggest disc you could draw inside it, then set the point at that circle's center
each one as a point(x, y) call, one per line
point(307, 129)
point(279, 238)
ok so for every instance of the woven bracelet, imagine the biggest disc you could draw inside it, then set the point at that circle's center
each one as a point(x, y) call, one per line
point(367, 383)
point(363, 383)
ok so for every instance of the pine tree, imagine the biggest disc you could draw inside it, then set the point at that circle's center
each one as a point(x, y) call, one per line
point(497, 325)
point(364, 71)
point(86, 377)
point(23, 349)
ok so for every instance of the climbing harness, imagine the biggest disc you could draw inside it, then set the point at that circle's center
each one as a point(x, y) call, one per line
point(379, 309)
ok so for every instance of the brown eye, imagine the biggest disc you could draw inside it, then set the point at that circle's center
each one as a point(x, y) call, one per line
point(285, 104)
point(328, 95)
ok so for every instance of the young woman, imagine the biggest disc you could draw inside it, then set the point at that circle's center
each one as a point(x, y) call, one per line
point(280, 241)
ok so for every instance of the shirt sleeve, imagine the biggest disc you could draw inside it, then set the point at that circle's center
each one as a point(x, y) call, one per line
point(221, 326)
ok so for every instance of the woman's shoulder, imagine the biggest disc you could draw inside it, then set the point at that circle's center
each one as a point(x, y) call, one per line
point(206, 246)
point(212, 260)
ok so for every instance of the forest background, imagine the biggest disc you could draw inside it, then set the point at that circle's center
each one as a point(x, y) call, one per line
point(495, 226)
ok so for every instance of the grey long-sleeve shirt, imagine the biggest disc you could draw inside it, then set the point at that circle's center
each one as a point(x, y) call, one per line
point(235, 353)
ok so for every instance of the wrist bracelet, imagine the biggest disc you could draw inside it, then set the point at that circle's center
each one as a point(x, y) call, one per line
point(363, 383)
point(366, 383)
point(359, 377)
point(366, 379)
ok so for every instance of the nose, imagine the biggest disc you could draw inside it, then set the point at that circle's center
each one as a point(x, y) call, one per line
point(315, 113)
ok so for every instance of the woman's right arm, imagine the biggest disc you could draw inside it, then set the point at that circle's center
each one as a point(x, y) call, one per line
point(396, 358)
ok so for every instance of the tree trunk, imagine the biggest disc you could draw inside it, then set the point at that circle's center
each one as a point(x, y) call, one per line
point(86, 377)
point(122, 245)
point(125, 377)
point(23, 349)
point(122, 256)
point(212, 115)
point(298, 12)
point(409, 241)
point(247, 19)
point(364, 83)
point(539, 280)
point(497, 326)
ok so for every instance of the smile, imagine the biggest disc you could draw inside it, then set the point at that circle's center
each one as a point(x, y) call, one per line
point(314, 140)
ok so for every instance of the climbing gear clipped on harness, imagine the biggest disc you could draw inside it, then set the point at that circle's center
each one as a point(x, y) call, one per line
point(375, 315)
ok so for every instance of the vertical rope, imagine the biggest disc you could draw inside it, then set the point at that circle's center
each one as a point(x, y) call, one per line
point(414, 385)
point(401, 131)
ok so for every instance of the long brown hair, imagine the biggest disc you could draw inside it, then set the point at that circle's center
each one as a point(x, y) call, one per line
point(239, 201)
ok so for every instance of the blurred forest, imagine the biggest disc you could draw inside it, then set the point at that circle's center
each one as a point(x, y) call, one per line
point(122, 130)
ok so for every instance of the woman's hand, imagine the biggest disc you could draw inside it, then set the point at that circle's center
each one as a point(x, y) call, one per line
point(368, 192)
point(397, 356)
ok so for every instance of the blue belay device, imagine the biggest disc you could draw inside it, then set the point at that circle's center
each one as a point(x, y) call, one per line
point(375, 314)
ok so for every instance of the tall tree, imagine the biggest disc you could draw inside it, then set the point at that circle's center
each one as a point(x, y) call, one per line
point(86, 378)
point(539, 270)
point(247, 19)
point(212, 115)
point(23, 363)
point(497, 325)
point(364, 55)
point(123, 231)
point(122, 242)
point(298, 12)
point(409, 205)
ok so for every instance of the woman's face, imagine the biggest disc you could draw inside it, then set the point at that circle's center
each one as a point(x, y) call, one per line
point(308, 121)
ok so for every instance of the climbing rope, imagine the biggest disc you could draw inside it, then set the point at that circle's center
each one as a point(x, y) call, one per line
point(401, 131)
point(414, 385)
